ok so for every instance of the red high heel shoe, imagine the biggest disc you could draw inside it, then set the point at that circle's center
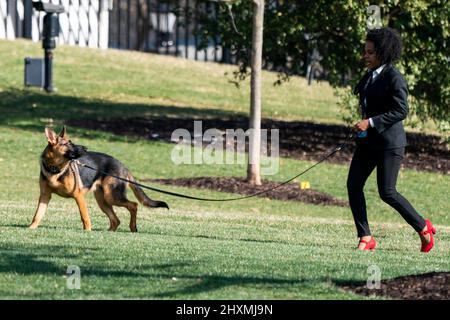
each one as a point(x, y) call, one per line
point(431, 231)
point(370, 245)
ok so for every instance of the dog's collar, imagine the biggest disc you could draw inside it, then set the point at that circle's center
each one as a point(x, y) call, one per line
point(50, 169)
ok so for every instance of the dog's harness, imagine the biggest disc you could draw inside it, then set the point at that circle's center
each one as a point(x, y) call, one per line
point(54, 172)
point(341, 146)
point(74, 167)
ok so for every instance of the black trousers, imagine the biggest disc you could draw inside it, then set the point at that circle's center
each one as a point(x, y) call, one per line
point(387, 163)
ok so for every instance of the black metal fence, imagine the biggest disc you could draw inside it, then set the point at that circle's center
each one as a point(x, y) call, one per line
point(165, 27)
point(160, 26)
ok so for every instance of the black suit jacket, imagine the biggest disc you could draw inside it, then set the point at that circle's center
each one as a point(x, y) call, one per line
point(387, 105)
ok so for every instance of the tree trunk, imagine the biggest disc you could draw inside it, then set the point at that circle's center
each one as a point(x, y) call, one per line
point(253, 168)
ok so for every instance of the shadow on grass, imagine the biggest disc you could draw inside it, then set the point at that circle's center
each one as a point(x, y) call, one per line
point(25, 261)
point(48, 260)
point(30, 109)
point(206, 284)
point(37, 260)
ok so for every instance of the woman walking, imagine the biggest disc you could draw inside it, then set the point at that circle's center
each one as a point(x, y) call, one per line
point(381, 138)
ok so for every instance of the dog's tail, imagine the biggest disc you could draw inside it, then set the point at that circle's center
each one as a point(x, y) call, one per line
point(143, 198)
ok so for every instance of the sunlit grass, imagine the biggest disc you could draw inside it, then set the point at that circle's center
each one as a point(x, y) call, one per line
point(252, 249)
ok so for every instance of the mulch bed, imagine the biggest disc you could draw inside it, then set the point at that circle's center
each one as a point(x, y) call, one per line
point(299, 140)
point(429, 286)
point(289, 191)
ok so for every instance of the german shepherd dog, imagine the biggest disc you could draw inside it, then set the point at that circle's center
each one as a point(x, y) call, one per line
point(61, 175)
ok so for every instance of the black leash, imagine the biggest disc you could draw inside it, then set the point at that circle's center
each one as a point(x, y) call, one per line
point(348, 139)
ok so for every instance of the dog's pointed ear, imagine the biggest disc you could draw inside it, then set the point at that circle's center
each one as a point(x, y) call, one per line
point(52, 138)
point(62, 134)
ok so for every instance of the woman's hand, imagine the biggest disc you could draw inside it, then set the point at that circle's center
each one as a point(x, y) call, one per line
point(362, 125)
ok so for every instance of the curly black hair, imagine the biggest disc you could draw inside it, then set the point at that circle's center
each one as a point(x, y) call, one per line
point(388, 44)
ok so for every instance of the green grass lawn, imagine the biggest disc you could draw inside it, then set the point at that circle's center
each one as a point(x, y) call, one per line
point(252, 249)
point(144, 79)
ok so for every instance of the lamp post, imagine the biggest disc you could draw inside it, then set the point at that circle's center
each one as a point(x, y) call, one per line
point(50, 31)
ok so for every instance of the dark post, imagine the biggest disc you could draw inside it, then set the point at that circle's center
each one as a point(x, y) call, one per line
point(28, 15)
point(177, 33)
point(158, 27)
point(51, 30)
point(196, 29)
point(186, 30)
point(119, 24)
point(129, 25)
point(48, 80)
point(166, 30)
